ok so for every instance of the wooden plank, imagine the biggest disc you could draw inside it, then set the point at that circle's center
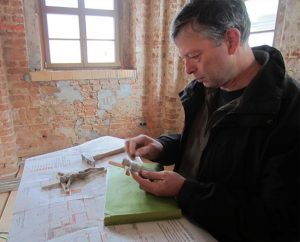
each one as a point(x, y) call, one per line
point(3, 237)
point(20, 172)
point(81, 75)
point(7, 204)
point(7, 214)
point(3, 200)
point(9, 184)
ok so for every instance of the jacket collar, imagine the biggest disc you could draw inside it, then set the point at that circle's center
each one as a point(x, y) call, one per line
point(263, 95)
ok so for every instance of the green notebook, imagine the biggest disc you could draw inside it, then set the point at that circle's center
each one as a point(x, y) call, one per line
point(127, 203)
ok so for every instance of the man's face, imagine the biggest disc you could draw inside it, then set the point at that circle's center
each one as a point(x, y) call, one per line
point(208, 62)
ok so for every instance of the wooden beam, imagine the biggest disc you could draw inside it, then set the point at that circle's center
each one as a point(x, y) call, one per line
point(7, 214)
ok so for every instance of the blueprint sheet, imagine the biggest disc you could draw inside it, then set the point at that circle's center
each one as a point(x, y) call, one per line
point(52, 215)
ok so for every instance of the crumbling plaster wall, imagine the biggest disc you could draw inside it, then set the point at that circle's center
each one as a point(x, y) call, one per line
point(287, 35)
point(7, 135)
point(51, 115)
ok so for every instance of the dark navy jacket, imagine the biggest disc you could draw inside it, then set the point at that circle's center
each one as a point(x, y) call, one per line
point(248, 182)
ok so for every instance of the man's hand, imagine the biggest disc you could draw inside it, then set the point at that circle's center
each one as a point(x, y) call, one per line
point(143, 146)
point(163, 183)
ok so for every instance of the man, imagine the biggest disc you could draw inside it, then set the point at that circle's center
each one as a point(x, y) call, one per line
point(237, 159)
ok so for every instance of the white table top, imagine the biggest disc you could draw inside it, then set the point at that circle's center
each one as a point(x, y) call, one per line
point(52, 215)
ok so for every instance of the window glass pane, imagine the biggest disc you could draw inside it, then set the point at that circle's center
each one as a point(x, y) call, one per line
point(100, 27)
point(262, 14)
point(64, 3)
point(101, 51)
point(65, 51)
point(63, 26)
point(99, 4)
point(257, 39)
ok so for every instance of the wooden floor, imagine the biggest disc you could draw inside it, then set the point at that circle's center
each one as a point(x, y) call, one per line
point(7, 204)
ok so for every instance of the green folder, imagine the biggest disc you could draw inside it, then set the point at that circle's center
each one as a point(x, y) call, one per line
point(127, 203)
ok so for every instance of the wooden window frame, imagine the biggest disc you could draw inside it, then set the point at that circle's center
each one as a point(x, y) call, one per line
point(81, 12)
point(265, 30)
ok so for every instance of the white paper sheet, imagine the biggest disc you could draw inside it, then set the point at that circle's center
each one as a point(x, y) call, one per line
point(52, 215)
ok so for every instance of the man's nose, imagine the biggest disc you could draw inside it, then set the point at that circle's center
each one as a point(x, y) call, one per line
point(190, 66)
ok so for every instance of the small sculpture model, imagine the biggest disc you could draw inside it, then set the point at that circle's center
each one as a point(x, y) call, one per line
point(129, 166)
point(66, 179)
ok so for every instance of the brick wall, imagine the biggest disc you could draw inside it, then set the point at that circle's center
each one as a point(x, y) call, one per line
point(12, 66)
point(8, 155)
point(52, 115)
point(287, 35)
point(158, 67)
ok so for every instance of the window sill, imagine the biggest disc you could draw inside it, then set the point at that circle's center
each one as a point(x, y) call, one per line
point(48, 75)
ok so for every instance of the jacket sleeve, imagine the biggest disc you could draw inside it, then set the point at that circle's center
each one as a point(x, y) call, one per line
point(171, 144)
point(270, 214)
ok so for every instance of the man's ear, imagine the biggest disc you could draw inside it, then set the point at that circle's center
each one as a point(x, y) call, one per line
point(232, 39)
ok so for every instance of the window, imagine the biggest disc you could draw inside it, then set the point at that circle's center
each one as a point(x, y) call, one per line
point(80, 33)
point(263, 18)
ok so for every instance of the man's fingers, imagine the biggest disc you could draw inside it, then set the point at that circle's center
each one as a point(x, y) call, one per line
point(142, 181)
point(152, 175)
point(133, 145)
point(130, 147)
point(127, 146)
point(145, 184)
point(143, 151)
point(159, 183)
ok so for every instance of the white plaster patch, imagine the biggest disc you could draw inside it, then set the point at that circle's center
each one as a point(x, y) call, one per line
point(68, 132)
point(67, 92)
point(89, 134)
point(125, 91)
point(101, 113)
point(78, 123)
point(106, 122)
point(106, 100)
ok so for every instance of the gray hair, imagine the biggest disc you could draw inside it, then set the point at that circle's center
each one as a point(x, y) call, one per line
point(213, 18)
